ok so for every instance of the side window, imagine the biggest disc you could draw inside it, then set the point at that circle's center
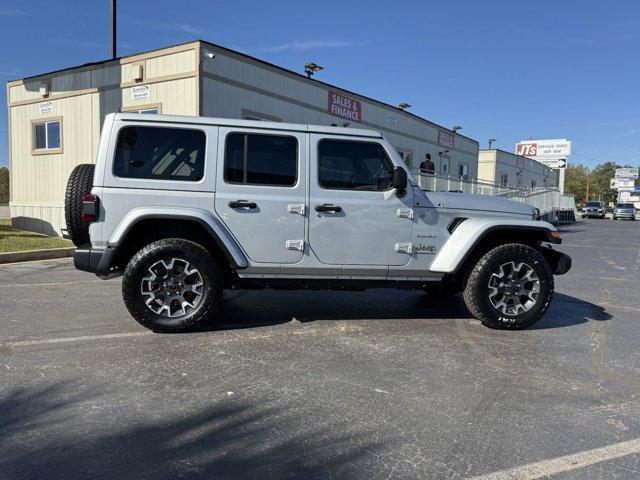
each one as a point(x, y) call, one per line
point(160, 153)
point(349, 165)
point(254, 159)
point(46, 135)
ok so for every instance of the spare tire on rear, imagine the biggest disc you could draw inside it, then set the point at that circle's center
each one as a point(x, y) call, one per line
point(79, 184)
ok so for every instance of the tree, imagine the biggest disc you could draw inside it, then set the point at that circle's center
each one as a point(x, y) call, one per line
point(4, 186)
point(575, 182)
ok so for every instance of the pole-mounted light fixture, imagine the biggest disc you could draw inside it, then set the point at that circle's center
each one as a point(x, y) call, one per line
point(491, 140)
point(311, 68)
point(404, 106)
point(456, 128)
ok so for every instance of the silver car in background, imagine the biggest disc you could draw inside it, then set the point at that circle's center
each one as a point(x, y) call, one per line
point(624, 210)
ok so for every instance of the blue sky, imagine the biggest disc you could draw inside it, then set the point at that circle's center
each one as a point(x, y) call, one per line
point(500, 68)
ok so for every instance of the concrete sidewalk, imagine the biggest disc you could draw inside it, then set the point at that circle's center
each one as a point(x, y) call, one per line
point(4, 212)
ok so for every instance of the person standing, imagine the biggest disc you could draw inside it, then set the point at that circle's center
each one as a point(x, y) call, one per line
point(426, 166)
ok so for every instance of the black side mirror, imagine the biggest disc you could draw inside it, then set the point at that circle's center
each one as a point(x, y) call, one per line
point(399, 181)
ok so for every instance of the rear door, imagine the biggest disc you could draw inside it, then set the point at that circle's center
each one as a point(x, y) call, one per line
point(355, 216)
point(260, 191)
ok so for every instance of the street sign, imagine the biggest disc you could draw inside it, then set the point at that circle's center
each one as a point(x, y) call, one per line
point(622, 183)
point(627, 173)
point(562, 163)
point(544, 149)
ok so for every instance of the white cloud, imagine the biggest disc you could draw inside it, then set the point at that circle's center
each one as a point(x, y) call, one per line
point(173, 27)
point(11, 12)
point(10, 71)
point(309, 45)
point(628, 133)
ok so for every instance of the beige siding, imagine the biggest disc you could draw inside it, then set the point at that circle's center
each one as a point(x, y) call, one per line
point(494, 163)
point(82, 99)
point(487, 166)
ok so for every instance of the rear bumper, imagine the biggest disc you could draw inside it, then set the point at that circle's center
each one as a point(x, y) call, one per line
point(560, 262)
point(89, 259)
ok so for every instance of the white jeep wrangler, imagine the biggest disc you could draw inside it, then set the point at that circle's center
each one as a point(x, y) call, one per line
point(186, 207)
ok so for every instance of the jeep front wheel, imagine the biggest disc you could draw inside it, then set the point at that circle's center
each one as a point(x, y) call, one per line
point(510, 287)
point(172, 285)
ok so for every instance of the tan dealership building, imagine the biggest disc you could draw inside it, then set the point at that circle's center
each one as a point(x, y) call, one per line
point(55, 118)
point(511, 170)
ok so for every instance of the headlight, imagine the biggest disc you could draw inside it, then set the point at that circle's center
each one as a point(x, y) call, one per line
point(536, 214)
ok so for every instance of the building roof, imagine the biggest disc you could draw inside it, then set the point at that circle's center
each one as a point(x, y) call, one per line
point(254, 59)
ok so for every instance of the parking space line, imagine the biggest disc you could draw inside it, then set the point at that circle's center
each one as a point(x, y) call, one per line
point(574, 461)
point(46, 341)
point(51, 284)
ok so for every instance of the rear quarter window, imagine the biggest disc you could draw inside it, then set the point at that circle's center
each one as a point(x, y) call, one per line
point(160, 153)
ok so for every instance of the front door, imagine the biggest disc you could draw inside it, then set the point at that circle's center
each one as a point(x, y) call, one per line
point(261, 191)
point(355, 216)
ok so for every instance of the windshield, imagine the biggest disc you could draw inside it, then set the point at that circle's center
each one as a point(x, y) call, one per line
point(593, 204)
point(624, 205)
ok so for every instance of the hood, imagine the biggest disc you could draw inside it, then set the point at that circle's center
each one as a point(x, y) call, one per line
point(485, 203)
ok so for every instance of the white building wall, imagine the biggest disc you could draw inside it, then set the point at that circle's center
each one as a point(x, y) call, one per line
point(233, 86)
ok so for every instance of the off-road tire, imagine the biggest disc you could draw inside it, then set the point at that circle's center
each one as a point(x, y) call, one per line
point(476, 292)
point(165, 249)
point(79, 184)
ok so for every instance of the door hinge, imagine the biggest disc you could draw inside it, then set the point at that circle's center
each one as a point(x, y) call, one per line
point(405, 212)
point(295, 245)
point(299, 208)
point(404, 247)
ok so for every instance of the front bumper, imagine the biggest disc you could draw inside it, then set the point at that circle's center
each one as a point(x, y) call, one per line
point(560, 262)
point(592, 214)
point(89, 259)
point(624, 214)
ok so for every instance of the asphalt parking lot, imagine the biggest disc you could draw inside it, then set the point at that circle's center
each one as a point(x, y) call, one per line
point(380, 384)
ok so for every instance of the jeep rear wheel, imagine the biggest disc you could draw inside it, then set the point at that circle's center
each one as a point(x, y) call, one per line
point(510, 287)
point(172, 285)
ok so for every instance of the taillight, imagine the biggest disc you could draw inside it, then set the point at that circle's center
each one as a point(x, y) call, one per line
point(90, 208)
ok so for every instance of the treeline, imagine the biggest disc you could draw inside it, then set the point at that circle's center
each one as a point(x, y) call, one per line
point(4, 186)
point(585, 184)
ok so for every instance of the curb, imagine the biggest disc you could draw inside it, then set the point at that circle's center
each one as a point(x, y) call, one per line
point(31, 255)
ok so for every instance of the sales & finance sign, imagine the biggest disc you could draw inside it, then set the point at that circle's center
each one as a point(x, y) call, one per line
point(344, 107)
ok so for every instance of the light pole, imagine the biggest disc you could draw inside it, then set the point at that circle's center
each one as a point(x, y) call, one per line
point(456, 128)
point(491, 140)
point(114, 54)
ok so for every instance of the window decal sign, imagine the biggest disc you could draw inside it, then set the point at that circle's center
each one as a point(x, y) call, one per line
point(344, 107)
point(140, 92)
point(45, 107)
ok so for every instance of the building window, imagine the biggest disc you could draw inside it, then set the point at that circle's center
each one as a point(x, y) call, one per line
point(148, 108)
point(533, 184)
point(258, 117)
point(252, 159)
point(47, 136)
point(519, 179)
point(159, 153)
point(463, 170)
point(504, 180)
point(406, 156)
point(348, 165)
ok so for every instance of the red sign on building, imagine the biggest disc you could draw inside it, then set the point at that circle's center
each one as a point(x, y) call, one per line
point(344, 107)
point(445, 139)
